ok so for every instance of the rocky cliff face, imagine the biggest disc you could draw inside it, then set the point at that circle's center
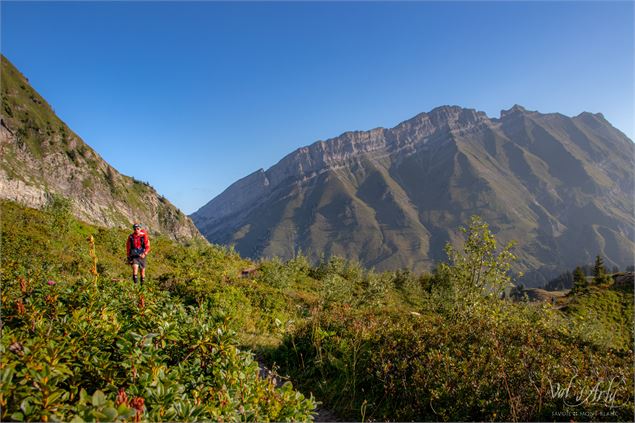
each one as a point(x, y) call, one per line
point(308, 162)
point(40, 156)
point(562, 187)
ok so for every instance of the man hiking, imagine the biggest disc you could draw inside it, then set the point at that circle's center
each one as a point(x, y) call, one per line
point(138, 247)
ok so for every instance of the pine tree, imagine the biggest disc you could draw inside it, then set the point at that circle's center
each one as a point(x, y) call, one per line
point(599, 271)
point(579, 280)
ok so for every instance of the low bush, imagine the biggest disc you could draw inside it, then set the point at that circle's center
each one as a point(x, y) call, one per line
point(75, 352)
point(465, 353)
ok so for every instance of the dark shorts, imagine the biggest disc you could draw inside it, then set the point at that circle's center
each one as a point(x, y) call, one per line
point(138, 260)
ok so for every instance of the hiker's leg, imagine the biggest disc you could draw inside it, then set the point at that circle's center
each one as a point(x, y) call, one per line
point(135, 269)
point(143, 274)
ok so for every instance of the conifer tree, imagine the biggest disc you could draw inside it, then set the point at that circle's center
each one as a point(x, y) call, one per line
point(579, 280)
point(599, 271)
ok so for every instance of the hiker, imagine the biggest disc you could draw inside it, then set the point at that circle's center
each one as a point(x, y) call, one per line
point(138, 247)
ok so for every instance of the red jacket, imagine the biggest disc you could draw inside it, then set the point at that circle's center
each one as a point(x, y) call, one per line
point(140, 242)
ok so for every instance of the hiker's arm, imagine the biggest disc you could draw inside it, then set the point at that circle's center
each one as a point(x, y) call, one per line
point(147, 249)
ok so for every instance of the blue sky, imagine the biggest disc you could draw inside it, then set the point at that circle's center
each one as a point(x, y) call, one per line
point(193, 96)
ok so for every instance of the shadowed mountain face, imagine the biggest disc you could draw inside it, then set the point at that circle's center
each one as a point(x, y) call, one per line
point(40, 156)
point(561, 187)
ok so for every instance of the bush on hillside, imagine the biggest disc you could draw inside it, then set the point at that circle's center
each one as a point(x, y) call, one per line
point(465, 354)
point(71, 352)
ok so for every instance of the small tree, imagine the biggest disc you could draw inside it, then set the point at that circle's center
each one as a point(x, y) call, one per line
point(599, 271)
point(579, 280)
point(479, 269)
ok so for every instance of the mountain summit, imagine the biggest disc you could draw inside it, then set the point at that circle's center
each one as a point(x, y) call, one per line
point(560, 186)
point(41, 156)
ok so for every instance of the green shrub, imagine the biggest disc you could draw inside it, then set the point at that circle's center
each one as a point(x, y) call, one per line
point(465, 354)
point(71, 351)
point(275, 273)
point(68, 340)
point(499, 362)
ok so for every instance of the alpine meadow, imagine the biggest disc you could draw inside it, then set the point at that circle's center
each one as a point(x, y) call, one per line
point(455, 266)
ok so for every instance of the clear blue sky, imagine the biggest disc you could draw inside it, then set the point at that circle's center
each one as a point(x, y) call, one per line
point(193, 96)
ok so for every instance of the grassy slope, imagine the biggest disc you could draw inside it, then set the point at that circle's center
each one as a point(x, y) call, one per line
point(32, 119)
point(603, 316)
point(39, 246)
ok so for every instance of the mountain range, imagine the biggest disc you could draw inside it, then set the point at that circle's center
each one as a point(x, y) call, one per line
point(561, 187)
point(40, 157)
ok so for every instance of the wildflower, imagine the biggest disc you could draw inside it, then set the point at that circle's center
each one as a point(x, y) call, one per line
point(142, 302)
point(51, 283)
point(20, 306)
point(122, 398)
point(23, 285)
point(137, 404)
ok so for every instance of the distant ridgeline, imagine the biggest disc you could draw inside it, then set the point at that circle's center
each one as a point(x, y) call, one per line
point(562, 187)
point(42, 160)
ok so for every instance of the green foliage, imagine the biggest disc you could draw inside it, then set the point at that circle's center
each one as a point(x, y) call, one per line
point(603, 317)
point(68, 338)
point(479, 269)
point(73, 352)
point(59, 209)
point(465, 354)
point(347, 282)
point(579, 280)
point(599, 272)
point(389, 346)
point(498, 363)
point(275, 273)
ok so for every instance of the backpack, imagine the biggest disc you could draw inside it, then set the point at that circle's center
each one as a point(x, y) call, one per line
point(136, 252)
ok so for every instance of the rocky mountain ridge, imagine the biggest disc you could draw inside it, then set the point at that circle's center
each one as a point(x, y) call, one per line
point(308, 162)
point(542, 179)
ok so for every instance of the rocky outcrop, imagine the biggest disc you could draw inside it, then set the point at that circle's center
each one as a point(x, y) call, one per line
point(41, 157)
point(624, 280)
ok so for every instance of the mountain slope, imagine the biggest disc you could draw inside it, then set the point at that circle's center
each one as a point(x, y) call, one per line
point(41, 156)
point(562, 187)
